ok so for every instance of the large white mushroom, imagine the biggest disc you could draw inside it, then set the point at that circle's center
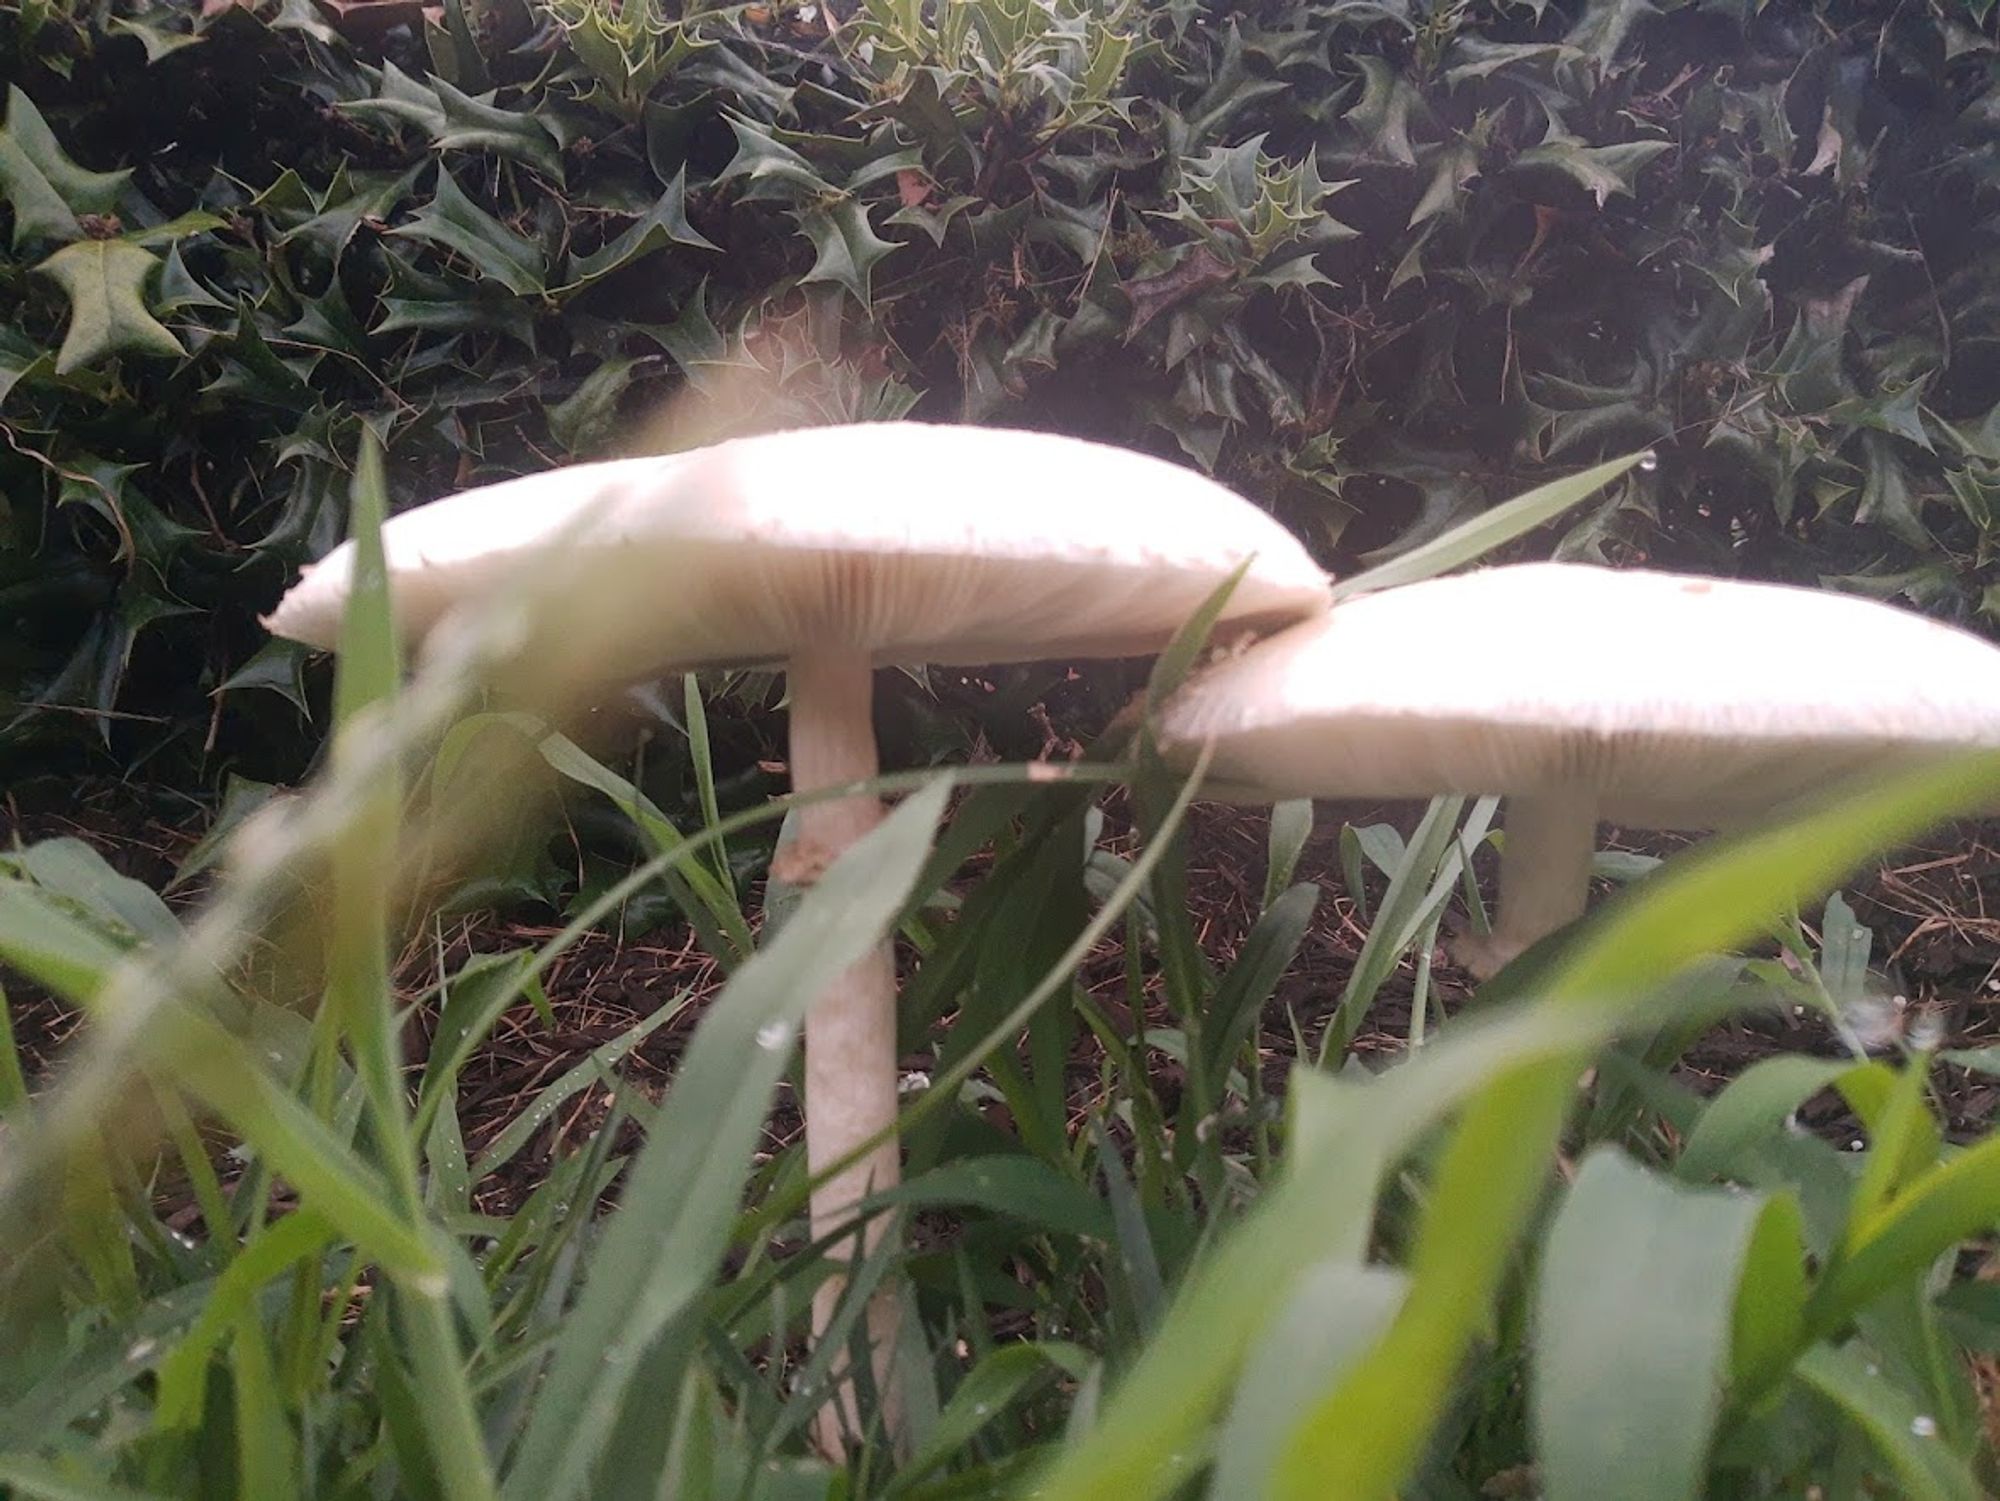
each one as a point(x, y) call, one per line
point(833, 551)
point(1650, 700)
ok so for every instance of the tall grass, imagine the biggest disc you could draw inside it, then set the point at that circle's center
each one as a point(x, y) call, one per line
point(1521, 1253)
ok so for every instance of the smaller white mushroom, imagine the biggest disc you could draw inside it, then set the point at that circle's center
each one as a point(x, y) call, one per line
point(1651, 700)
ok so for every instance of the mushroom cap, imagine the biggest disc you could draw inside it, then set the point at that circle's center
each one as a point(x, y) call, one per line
point(1687, 703)
point(910, 542)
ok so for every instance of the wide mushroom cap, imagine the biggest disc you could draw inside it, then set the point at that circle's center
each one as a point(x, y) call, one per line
point(1684, 702)
point(906, 542)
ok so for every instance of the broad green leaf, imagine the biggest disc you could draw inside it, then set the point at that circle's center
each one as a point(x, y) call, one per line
point(47, 942)
point(1634, 1311)
point(105, 281)
point(1905, 1437)
point(1749, 1107)
point(74, 872)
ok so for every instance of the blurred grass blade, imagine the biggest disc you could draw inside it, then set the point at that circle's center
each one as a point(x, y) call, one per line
point(1954, 1201)
point(13, 1083)
point(370, 658)
point(1484, 532)
point(266, 1458)
point(1362, 1438)
point(1335, 1313)
point(1634, 1308)
point(1905, 1437)
point(682, 1193)
point(33, 1480)
point(304, 1149)
point(183, 1375)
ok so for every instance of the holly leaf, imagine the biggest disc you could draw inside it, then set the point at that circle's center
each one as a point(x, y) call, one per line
point(666, 223)
point(105, 281)
point(1602, 171)
point(45, 189)
point(454, 221)
point(475, 124)
point(772, 171)
point(847, 244)
point(156, 39)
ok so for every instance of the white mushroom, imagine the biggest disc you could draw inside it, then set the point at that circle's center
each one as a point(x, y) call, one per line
point(833, 551)
point(1651, 700)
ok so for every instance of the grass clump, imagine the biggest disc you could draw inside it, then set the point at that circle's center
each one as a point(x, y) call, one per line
point(1521, 1254)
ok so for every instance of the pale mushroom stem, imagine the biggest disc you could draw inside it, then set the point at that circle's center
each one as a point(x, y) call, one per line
point(1544, 875)
point(850, 1041)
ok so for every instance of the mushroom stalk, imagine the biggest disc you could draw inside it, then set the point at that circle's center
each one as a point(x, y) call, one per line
point(850, 1033)
point(1544, 874)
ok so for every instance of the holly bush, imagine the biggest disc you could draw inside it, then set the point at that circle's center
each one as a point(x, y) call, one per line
point(1376, 263)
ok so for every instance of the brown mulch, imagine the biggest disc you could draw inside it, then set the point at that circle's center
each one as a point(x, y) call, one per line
point(1935, 910)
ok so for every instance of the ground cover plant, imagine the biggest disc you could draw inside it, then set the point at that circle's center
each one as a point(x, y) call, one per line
point(1193, 1207)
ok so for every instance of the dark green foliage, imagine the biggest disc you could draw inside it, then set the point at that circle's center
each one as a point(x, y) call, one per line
point(1376, 263)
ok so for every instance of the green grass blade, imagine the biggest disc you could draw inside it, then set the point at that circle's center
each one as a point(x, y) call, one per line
point(517, 1133)
point(1337, 1310)
point(1954, 1201)
point(183, 1375)
point(370, 660)
point(1381, 950)
point(13, 1083)
point(681, 1195)
point(1484, 532)
point(1291, 827)
point(704, 779)
point(266, 1457)
point(708, 904)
